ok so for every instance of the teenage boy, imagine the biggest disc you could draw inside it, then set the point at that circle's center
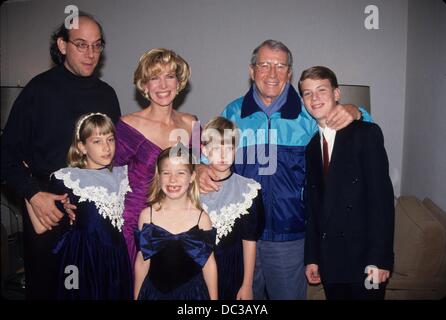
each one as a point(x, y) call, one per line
point(349, 239)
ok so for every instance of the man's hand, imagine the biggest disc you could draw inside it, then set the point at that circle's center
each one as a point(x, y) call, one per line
point(69, 208)
point(205, 176)
point(379, 275)
point(43, 204)
point(342, 115)
point(312, 273)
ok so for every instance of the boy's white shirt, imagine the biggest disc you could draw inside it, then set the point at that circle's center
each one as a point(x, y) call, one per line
point(330, 136)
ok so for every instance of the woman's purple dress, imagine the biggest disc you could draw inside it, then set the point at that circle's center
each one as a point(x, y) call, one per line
point(140, 154)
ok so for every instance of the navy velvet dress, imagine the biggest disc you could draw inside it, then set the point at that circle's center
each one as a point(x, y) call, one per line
point(96, 248)
point(236, 211)
point(176, 262)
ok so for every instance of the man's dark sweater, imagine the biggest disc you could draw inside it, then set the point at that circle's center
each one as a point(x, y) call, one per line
point(41, 124)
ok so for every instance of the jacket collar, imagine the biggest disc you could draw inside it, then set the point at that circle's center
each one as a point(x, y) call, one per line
point(290, 110)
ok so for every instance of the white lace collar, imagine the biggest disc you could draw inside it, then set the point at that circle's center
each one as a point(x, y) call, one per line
point(105, 189)
point(231, 202)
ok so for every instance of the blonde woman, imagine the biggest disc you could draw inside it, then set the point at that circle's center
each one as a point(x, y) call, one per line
point(93, 246)
point(161, 74)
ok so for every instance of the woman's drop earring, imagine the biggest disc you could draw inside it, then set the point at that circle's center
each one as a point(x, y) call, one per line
point(146, 94)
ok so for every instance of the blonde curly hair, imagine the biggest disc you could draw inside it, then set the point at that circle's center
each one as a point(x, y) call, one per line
point(150, 64)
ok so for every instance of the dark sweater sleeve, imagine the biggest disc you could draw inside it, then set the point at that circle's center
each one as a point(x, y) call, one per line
point(16, 147)
point(57, 186)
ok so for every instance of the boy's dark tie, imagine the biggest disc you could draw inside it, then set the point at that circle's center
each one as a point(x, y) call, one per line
point(325, 155)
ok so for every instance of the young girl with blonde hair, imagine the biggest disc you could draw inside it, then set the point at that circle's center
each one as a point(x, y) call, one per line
point(236, 211)
point(175, 239)
point(92, 254)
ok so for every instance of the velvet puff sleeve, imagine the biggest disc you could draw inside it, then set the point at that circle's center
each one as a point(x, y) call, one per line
point(252, 224)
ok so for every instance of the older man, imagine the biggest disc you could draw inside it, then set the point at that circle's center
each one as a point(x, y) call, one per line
point(275, 130)
point(38, 134)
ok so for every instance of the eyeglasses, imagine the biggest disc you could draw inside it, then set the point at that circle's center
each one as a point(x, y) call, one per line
point(83, 46)
point(266, 66)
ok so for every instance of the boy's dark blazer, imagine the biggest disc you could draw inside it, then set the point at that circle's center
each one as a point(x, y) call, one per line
point(351, 210)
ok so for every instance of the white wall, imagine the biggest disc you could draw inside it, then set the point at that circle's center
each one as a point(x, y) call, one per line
point(424, 161)
point(217, 38)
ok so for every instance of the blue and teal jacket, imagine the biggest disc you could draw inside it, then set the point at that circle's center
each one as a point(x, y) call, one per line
point(272, 152)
